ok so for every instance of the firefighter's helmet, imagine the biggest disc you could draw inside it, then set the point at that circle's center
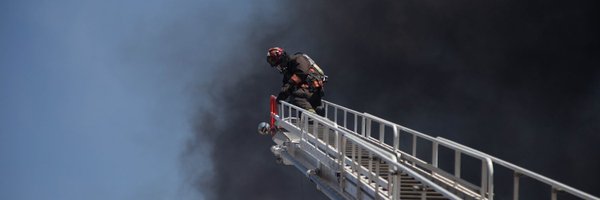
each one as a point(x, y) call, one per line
point(275, 57)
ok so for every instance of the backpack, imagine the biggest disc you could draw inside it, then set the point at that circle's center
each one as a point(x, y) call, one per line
point(316, 77)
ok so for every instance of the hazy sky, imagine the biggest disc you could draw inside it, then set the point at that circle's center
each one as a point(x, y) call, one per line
point(96, 96)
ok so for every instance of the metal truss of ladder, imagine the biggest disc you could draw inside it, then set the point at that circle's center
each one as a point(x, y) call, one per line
point(354, 155)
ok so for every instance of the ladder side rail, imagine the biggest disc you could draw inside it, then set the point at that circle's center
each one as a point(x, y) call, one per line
point(392, 160)
point(439, 172)
point(315, 144)
point(310, 143)
point(434, 170)
point(381, 153)
point(373, 117)
point(486, 170)
point(486, 182)
point(367, 125)
point(518, 171)
point(382, 124)
point(357, 115)
point(387, 156)
point(522, 171)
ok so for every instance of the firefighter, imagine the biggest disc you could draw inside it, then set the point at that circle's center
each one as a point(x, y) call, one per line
point(303, 79)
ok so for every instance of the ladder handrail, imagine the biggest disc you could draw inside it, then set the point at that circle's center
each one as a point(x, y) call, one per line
point(486, 159)
point(486, 186)
point(522, 171)
point(389, 157)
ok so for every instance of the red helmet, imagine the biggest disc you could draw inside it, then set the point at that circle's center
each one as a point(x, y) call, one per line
point(275, 56)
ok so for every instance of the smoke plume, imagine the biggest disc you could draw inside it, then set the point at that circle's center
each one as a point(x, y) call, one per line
point(515, 79)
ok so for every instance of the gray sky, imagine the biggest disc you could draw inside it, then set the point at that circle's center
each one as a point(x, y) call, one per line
point(96, 96)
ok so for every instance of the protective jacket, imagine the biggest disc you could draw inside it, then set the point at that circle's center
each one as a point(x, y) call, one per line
point(301, 78)
point(302, 82)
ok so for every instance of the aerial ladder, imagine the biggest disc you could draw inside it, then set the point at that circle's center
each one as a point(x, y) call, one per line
point(356, 155)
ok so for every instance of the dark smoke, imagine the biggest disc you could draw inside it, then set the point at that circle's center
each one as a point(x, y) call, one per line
point(516, 79)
